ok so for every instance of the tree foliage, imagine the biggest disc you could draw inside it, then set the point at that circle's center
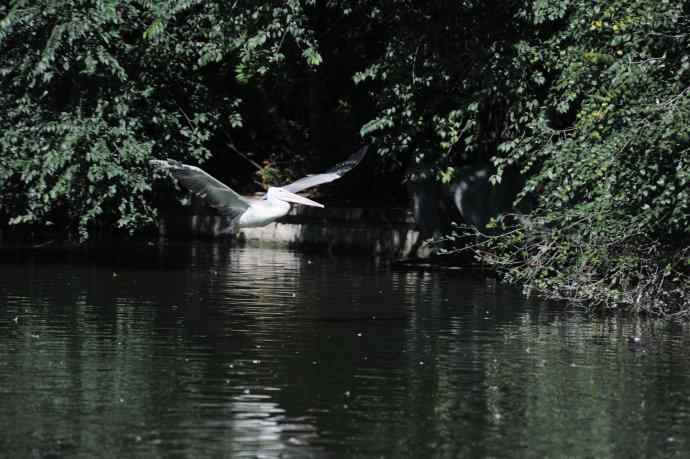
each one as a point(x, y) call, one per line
point(589, 99)
point(606, 144)
point(92, 90)
point(87, 100)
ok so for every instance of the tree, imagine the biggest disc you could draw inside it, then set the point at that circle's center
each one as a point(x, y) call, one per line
point(590, 101)
point(607, 146)
point(88, 100)
point(93, 90)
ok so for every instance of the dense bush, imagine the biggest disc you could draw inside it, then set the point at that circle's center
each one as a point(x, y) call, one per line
point(608, 148)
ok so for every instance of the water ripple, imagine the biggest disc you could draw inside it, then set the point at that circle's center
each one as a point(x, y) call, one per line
point(208, 350)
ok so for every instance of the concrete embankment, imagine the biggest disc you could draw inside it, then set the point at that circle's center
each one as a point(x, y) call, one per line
point(380, 231)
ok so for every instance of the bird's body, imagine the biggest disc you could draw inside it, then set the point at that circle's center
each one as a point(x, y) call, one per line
point(261, 212)
point(245, 213)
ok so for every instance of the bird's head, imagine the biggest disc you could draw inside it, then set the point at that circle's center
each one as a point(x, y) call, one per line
point(284, 195)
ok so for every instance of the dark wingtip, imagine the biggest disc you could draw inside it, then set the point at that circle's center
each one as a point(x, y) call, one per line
point(356, 158)
point(359, 155)
point(349, 163)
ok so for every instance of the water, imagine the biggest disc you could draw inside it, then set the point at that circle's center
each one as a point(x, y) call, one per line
point(209, 351)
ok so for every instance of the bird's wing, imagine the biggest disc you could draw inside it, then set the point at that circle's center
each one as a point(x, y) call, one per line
point(213, 191)
point(331, 174)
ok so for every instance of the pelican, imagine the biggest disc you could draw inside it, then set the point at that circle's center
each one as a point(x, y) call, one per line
point(247, 213)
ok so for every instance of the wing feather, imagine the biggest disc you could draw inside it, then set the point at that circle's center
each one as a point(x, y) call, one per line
point(330, 175)
point(213, 191)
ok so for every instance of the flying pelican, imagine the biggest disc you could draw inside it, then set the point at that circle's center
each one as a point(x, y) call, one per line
point(246, 213)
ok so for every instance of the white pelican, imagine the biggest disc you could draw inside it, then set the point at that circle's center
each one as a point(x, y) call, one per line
point(243, 212)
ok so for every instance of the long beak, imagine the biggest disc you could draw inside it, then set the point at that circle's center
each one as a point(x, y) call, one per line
point(297, 199)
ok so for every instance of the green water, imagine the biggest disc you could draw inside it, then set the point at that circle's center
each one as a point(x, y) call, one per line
point(210, 351)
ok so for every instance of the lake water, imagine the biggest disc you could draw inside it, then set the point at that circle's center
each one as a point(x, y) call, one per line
point(205, 350)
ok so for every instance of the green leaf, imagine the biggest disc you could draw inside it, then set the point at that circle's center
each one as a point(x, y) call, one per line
point(312, 56)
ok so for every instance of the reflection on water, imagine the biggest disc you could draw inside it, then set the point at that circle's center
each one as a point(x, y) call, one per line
point(206, 350)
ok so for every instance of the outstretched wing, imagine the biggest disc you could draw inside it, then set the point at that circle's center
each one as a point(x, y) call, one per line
point(331, 174)
point(213, 191)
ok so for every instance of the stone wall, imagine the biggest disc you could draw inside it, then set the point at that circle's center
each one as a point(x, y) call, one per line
point(389, 232)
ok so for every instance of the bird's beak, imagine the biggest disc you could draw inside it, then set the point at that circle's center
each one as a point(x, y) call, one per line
point(297, 199)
